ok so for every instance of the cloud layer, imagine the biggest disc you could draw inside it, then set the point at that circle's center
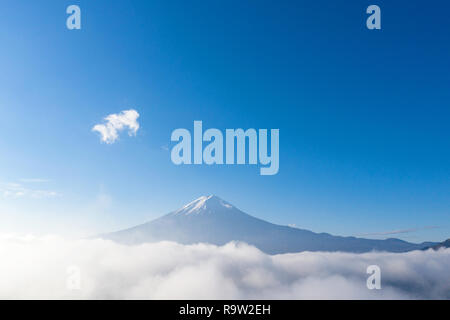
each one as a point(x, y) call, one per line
point(44, 268)
point(116, 122)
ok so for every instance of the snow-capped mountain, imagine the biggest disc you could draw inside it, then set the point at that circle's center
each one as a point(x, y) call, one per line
point(212, 220)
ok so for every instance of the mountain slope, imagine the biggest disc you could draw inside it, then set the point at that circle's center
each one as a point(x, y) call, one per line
point(445, 244)
point(213, 220)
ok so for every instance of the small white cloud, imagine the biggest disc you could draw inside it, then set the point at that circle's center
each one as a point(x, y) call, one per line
point(17, 190)
point(116, 122)
point(33, 180)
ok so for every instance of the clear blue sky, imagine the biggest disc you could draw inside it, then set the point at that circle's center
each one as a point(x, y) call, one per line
point(363, 115)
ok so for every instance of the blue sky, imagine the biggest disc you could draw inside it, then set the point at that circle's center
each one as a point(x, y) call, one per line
point(363, 115)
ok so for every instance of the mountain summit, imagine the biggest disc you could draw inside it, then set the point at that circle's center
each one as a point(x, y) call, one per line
point(204, 205)
point(210, 219)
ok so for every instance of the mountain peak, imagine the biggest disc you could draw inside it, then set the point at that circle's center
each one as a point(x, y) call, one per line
point(204, 204)
point(209, 219)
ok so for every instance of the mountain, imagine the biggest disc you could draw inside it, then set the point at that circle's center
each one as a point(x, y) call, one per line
point(445, 244)
point(212, 220)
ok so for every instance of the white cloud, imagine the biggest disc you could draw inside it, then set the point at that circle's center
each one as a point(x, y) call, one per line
point(116, 122)
point(17, 190)
point(33, 180)
point(37, 268)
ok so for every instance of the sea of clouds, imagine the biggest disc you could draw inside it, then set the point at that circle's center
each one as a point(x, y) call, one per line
point(54, 268)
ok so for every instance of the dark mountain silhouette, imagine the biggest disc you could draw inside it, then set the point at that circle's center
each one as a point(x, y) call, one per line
point(445, 244)
point(212, 220)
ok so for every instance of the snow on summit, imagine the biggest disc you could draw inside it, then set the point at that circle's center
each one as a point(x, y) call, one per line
point(204, 204)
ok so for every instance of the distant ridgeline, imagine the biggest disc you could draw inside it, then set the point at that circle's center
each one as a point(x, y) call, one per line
point(210, 219)
point(445, 244)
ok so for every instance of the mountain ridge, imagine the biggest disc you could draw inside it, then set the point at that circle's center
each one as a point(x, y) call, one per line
point(443, 244)
point(212, 220)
